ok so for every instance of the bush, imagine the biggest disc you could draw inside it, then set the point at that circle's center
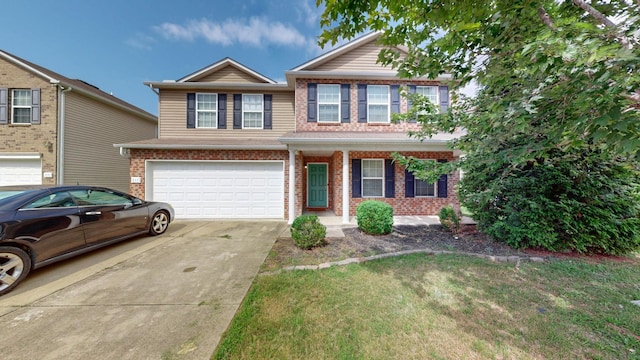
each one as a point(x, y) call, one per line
point(307, 231)
point(375, 217)
point(588, 202)
point(449, 218)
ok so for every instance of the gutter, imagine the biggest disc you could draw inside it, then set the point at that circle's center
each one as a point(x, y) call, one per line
point(196, 147)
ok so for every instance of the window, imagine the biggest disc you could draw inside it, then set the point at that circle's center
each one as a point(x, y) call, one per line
point(21, 106)
point(207, 110)
point(252, 111)
point(373, 178)
point(87, 197)
point(378, 103)
point(55, 200)
point(424, 189)
point(329, 103)
point(429, 92)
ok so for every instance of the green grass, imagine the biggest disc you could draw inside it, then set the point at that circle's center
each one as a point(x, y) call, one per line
point(441, 307)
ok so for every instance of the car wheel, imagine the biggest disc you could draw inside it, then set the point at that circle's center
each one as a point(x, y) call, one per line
point(159, 223)
point(15, 265)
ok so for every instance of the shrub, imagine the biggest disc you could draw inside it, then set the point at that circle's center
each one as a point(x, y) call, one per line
point(307, 231)
point(449, 218)
point(375, 217)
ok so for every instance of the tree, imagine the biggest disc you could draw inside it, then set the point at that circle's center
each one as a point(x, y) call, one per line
point(559, 81)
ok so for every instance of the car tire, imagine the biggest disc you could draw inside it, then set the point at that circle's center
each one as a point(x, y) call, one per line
point(15, 265)
point(159, 223)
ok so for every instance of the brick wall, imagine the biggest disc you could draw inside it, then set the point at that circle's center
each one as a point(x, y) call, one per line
point(40, 138)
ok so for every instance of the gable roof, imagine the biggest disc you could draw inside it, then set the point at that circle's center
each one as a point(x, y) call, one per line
point(77, 85)
point(221, 64)
point(340, 50)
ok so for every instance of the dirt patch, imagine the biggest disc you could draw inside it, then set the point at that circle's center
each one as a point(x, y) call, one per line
point(357, 244)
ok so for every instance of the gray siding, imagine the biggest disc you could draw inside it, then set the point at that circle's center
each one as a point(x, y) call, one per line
point(173, 117)
point(91, 129)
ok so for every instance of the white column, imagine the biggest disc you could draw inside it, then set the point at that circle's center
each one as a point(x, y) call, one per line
point(292, 186)
point(345, 186)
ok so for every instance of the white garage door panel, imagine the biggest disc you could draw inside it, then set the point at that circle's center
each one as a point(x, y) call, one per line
point(199, 190)
point(20, 172)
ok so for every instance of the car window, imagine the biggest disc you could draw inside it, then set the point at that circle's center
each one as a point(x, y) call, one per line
point(54, 200)
point(98, 197)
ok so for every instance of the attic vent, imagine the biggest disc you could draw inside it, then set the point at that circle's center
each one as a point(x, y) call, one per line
point(84, 82)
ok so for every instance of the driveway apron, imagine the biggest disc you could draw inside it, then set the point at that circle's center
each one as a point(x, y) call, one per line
point(171, 300)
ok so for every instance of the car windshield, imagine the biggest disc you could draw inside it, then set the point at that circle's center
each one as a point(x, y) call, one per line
point(6, 194)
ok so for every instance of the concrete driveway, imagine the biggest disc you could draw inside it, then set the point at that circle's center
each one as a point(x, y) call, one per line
point(166, 297)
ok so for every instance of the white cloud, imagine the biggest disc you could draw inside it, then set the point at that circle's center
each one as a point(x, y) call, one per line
point(308, 12)
point(255, 31)
point(141, 41)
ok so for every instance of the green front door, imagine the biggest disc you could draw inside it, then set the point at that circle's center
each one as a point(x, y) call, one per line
point(317, 185)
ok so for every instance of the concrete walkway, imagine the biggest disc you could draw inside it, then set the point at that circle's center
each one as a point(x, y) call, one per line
point(172, 298)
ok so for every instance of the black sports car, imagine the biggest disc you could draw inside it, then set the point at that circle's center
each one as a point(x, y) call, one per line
point(40, 225)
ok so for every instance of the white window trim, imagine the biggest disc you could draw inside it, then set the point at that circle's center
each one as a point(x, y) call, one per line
point(207, 111)
point(362, 178)
point(388, 104)
point(415, 184)
point(261, 112)
point(14, 106)
point(437, 103)
point(337, 121)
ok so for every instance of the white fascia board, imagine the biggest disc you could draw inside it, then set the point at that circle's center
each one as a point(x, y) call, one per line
point(200, 147)
point(222, 86)
point(19, 156)
point(27, 67)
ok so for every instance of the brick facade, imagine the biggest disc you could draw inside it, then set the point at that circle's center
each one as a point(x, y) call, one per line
point(27, 138)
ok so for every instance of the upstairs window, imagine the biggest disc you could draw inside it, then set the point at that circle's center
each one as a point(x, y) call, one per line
point(21, 106)
point(252, 111)
point(206, 110)
point(378, 104)
point(431, 93)
point(328, 103)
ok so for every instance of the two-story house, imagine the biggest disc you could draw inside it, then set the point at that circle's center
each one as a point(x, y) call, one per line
point(56, 130)
point(235, 144)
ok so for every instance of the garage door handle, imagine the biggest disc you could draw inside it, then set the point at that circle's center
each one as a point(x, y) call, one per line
point(93, 213)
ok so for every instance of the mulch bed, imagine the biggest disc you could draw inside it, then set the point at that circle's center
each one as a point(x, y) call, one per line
point(358, 244)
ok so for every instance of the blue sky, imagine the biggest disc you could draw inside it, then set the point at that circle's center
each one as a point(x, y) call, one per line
point(118, 44)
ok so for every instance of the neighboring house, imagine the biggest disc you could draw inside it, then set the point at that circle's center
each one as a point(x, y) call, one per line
point(235, 144)
point(56, 130)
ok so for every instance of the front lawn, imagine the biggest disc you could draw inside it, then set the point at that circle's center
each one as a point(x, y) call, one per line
point(441, 307)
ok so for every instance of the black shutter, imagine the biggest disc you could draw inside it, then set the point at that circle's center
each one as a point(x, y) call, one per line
point(409, 188)
point(362, 103)
point(389, 179)
point(268, 117)
point(312, 102)
point(237, 111)
point(442, 183)
point(412, 90)
point(222, 111)
point(356, 178)
point(345, 103)
point(444, 98)
point(191, 110)
point(4, 106)
point(395, 99)
point(35, 106)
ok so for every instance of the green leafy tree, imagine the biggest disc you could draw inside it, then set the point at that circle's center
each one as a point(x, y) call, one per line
point(559, 88)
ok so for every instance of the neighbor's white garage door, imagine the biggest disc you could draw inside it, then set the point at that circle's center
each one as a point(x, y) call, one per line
point(210, 189)
point(20, 172)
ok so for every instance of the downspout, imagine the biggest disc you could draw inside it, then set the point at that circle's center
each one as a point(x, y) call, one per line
point(158, 94)
point(61, 122)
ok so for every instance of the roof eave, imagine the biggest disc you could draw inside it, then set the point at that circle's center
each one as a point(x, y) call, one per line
point(199, 147)
point(212, 85)
point(291, 76)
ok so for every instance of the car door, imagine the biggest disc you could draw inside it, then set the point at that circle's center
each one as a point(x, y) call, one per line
point(107, 215)
point(51, 223)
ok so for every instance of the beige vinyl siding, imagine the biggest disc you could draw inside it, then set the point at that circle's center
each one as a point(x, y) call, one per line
point(173, 117)
point(363, 58)
point(229, 74)
point(91, 129)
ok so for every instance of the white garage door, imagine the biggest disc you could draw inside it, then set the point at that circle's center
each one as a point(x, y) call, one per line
point(211, 189)
point(20, 172)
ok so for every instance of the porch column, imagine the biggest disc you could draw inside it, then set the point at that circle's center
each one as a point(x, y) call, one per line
point(292, 185)
point(345, 186)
